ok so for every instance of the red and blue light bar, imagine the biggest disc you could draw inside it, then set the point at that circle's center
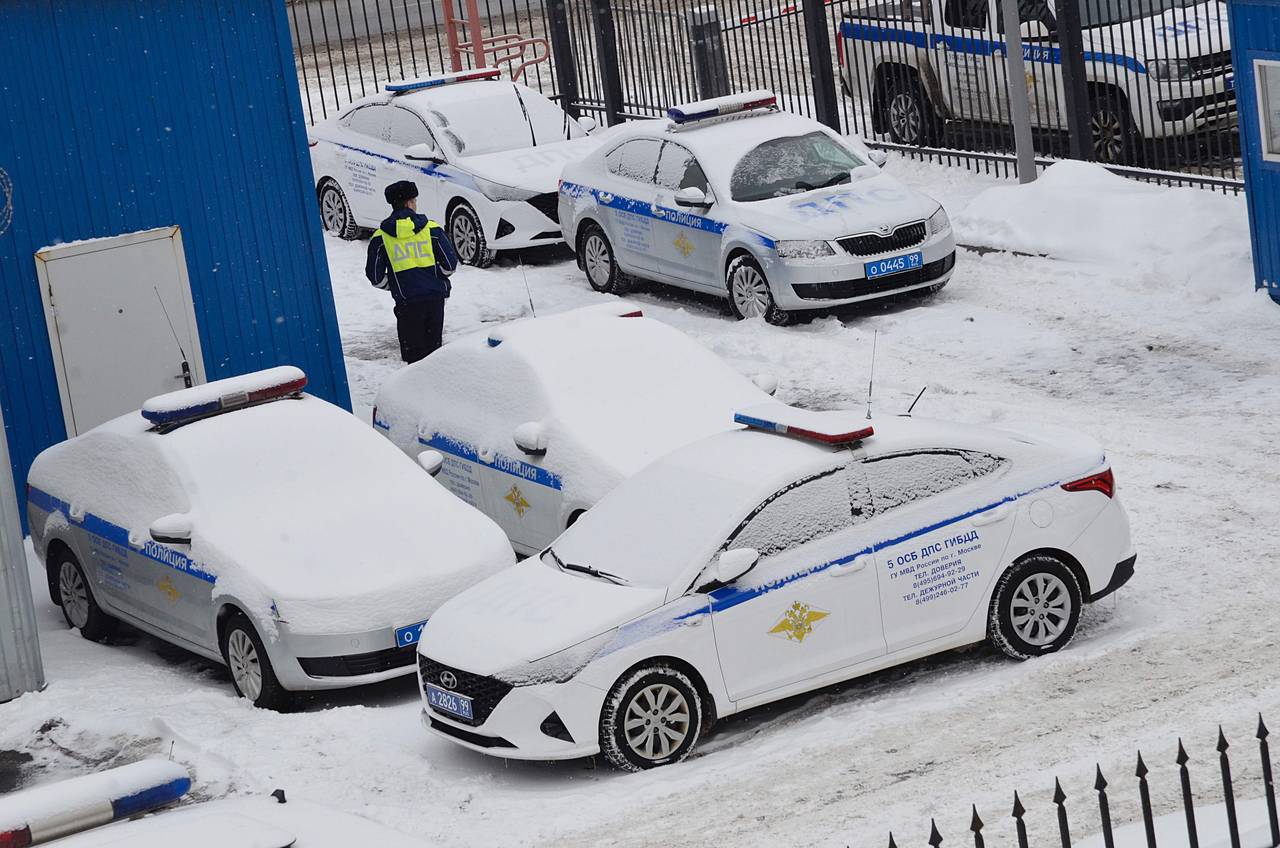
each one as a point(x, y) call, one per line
point(406, 86)
point(223, 396)
point(719, 107)
point(803, 424)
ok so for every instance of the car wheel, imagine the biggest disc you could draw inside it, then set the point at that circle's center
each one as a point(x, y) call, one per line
point(909, 114)
point(1035, 608)
point(250, 667)
point(1114, 138)
point(652, 718)
point(750, 295)
point(335, 212)
point(75, 597)
point(599, 263)
point(467, 236)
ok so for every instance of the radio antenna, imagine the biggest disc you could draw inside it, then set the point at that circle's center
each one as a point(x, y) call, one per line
point(871, 380)
point(527, 291)
point(917, 400)
point(186, 365)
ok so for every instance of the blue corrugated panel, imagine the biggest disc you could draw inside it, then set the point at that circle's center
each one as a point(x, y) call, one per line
point(1255, 34)
point(124, 115)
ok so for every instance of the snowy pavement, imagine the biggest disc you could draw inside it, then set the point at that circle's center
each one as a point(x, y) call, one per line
point(1140, 326)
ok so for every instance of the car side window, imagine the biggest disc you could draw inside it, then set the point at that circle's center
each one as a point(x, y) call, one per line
point(636, 159)
point(369, 121)
point(904, 479)
point(1031, 10)
point(805, 511)
point(966, 14)
point(678, 168)
point(407, 129)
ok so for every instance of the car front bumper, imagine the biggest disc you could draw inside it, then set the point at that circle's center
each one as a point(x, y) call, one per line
point(526, 223)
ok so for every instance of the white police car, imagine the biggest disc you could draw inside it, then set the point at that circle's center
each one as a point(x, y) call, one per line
point(536, 420)
point(484, 152)
point(810, 548)
point(772, 210)
point(256, 526)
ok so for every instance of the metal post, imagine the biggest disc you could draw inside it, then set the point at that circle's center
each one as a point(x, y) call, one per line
point(607, 54)
point(20, 667)
point(1104, 809)
point(1018, 812)
point(706, 43)
point(1228, 791)
point(1268, 782)
point(1019, 99)
point(1064, 828)
point(566, 66)
point(822, 73)
point(1188, 801)
point(1074, 85)
point(1144, 795)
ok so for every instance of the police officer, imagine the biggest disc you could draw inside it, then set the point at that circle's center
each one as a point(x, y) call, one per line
point(411, 256)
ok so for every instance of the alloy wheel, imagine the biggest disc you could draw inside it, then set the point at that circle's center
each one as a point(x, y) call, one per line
point(750, 292)
point(73, 594)
point(595, 255)
point(657, 721)
point(905, 118)
point(246, 669)
point(1108, 136)
point(464, 236)
point(333, 211)
point(1040, 609)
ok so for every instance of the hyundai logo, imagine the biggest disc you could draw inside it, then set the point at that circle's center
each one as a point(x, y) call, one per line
point(448, 680)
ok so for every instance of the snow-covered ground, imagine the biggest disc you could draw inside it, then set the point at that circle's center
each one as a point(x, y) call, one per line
point(1139, 326)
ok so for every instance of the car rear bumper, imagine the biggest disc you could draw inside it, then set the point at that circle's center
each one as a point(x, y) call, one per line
point(1122, 574)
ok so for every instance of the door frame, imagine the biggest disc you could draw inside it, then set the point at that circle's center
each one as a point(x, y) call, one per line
point(186, 310)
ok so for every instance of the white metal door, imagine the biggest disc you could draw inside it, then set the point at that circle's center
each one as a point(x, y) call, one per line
point(120, 317)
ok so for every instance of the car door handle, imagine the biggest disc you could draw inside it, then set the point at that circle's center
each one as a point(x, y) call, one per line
point(657, 210)
point(1000, 513)
point(853, 567)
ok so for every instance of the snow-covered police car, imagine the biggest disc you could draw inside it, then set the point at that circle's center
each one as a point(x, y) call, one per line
point(809, 548)
point(537, 419)
point(772, 210)
point(247, 522)
point(484, 152)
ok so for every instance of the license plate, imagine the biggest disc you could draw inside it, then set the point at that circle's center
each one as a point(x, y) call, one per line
point(894, 265)
point(449, 702)
point(409, 634)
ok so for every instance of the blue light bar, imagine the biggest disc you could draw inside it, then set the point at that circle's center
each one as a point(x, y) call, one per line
point(224, 395)
point(719, 107)
point(421, 83)
point(827, 436)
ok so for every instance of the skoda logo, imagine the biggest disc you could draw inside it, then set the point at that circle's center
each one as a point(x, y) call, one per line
point(448, 680)
point(884, 231)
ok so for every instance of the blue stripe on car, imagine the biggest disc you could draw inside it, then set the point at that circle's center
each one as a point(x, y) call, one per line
point(645, 209)
point(500, 462)
point(431, 170)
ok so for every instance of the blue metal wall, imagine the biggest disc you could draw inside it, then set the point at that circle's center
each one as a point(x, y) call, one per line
point(123, 115)
point(1255, 34)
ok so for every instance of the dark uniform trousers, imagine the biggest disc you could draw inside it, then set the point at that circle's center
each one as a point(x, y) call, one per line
point(420, 325)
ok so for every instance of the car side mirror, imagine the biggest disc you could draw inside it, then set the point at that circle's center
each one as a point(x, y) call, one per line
point(733, 564)
point(423, 153)
point(588, 123)
point(1034, 31)
point(691, 197)
point(766, 383)
point(431, 461)
point(879, 158)
point(173, 529)
point(531, 437)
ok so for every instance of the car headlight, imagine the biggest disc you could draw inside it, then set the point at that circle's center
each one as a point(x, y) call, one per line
point(938, 222)
point(803, 249)
point(1170, 69)
point(498, 191)
point(559, 667)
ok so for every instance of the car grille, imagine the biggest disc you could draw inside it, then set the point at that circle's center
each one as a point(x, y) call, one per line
point(1210, 65)
point(355, 665)
point(870, 244)
point(548, 204)
point(881, 285)
point(484, 692)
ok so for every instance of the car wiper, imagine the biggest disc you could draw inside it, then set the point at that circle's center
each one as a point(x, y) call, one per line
point(594, 572)
point(533, 135)
point(836, 180)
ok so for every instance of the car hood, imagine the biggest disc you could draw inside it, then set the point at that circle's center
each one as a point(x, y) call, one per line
point(1199, 30)
point(533, 168)
point(528, 613)
point(858, 207)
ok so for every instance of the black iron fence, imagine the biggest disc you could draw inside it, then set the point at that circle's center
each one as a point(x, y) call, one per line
point(1103, 816)
point(1144, 86)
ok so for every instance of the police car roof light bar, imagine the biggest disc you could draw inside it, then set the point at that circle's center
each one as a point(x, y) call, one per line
point(182, 407)
point(406, 86)
point(827, 438)
point(720, 107)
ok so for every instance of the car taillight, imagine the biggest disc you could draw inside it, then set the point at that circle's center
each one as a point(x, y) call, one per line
point(839, 49)
point(1104, 482)
point(16, 838)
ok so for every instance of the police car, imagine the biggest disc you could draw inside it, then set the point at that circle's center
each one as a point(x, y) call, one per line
point(806, 549)
point(484, 152)
point(773, 211)
point(248, 522)
point(537, 419)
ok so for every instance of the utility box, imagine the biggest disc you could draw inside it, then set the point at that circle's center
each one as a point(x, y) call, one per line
point(1255, 43)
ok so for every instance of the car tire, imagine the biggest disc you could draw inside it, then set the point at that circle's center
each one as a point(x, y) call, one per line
point(1035, 608)
point(1114, 138)
point(467, 235)
point(335, 212)
point(670, 707)
point(251, 673)
point(599, 263)
point(750, 295)
point(908, 113)
point(75, 597)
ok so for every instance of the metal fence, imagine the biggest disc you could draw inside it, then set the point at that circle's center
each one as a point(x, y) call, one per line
point(1106, 827)
point(1144, 86)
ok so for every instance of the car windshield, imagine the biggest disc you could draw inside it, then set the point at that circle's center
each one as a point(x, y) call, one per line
point(783, 166)
point(653, 527)
point(504, 117)
point(1097, 13)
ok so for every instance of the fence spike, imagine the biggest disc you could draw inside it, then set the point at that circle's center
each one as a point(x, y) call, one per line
point(1104, 810)
point(1060, 798)
point(1018, 812)
point(935, 838)
point(975, 825)
point(1268, 783)
point(892, 844)
point(1228, 793)
point(1188, 803)
point(1144, 794)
